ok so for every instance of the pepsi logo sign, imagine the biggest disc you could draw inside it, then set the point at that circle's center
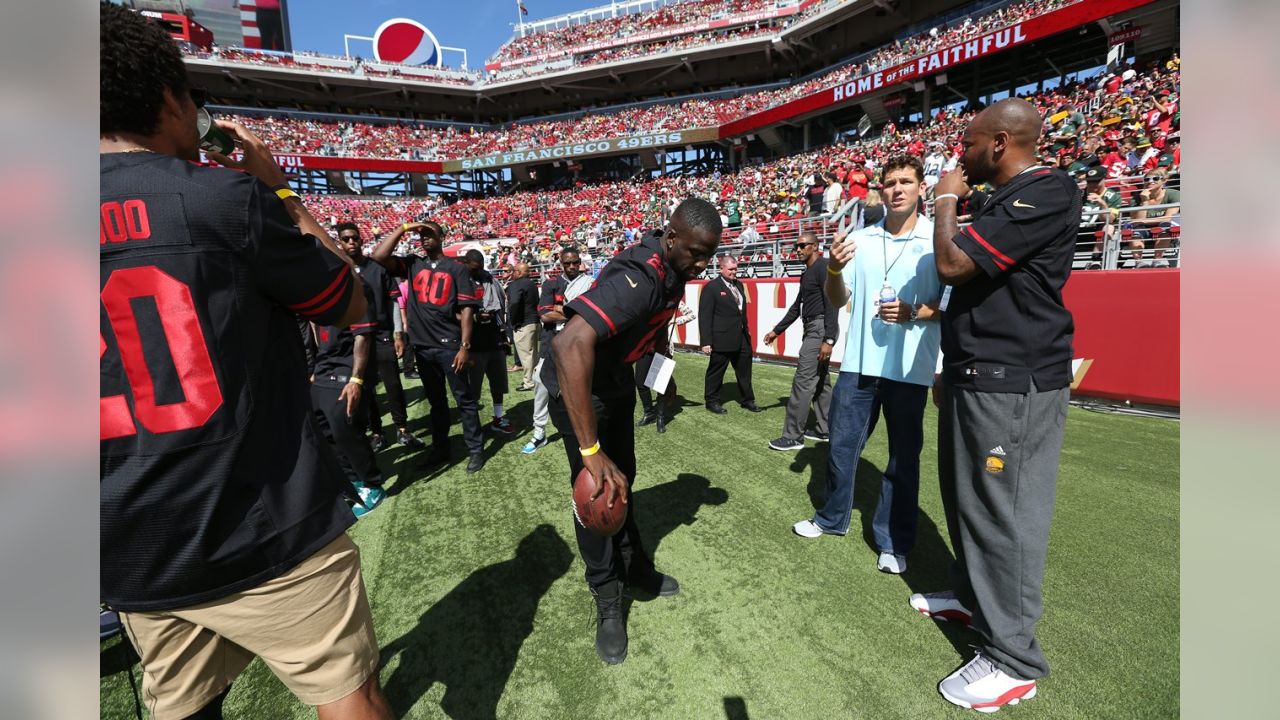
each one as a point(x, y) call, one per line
point(401, 40)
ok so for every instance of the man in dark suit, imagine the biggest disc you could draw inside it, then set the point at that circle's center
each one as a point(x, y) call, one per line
point(722, 324)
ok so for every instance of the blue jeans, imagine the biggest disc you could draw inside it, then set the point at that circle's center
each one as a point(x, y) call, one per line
point(855, 403)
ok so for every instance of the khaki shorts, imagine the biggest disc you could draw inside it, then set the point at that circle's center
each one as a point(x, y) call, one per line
point(311, 626)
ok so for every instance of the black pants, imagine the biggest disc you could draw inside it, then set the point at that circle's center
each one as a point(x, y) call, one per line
point(384, 370)
point(741, 361)
point(646, 395)
point(347, 434)
point(607, 558)
point(435, 366)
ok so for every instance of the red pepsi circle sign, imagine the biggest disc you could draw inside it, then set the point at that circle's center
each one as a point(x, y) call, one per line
point(406, 41)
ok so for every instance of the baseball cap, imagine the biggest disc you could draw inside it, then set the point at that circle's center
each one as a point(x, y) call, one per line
point(1094, 174)
point(1129, 74)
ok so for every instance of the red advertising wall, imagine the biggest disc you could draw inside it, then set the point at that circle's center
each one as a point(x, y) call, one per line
point(1126, 341)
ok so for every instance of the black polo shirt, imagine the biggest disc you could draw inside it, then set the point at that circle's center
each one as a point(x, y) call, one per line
point(633, 300)
point(1009, 324)
point(811, 303)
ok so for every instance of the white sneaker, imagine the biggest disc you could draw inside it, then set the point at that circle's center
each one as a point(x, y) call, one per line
point(941, 606)
point(892, 564)
point(807, 529)
point(981, 686)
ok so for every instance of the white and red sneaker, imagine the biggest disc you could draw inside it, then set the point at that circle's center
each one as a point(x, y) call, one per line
point(980, 685)
point(941, 606)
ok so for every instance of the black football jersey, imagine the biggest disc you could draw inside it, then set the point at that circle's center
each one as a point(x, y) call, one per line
point(336, 349)
point(552, 294)
point(437, 293)
point(632, 301)
point(213, 476)
point(382, 291)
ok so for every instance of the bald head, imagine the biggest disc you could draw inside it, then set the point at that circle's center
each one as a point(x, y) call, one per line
point(1014, 116)
point(521, 270)
point(1001, 142)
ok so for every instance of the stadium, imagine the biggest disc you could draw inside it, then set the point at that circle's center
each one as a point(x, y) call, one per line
point(578, 135)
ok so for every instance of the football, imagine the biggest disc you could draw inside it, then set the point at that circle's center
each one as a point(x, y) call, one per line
point(596, 515)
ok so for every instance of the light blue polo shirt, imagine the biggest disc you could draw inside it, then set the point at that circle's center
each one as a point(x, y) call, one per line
point(908, 351)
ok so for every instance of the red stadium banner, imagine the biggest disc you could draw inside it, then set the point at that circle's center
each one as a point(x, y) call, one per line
point(290, 161)
point(1126, 340)
point(1021, 33)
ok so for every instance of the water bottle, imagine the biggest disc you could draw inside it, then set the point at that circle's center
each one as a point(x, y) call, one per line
point(887, 295)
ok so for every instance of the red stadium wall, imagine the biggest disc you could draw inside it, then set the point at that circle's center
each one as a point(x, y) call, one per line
point(1126, 341)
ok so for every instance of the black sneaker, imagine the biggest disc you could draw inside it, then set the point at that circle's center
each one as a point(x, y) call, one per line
point(785, 444)
point(502, 425)
point(652, 583)
point(410, 441)
point(611, 627)
point(476, 463)
point(752, 407)
point(412, 375)
point(648, 418)
point(816, 436)
point(377, 442)
point(716, 408)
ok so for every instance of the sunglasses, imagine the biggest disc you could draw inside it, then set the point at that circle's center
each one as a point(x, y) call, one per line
point(567, 263)
point(1154, 178)
point(803, 245)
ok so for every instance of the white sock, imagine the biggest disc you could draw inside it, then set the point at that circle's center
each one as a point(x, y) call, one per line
point(497, 411)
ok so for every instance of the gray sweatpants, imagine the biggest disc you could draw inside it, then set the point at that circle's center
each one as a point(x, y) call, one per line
point(998, 470)
point(811, 386)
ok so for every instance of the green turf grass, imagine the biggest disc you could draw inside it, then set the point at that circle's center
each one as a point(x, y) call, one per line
point(482, 612)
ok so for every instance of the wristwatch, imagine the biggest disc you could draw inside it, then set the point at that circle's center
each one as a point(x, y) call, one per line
point(830, 341)
point(915, 313)
point(466, 346)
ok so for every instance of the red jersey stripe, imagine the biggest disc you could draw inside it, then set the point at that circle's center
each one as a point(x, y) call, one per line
point(315, 311)
point(613, 329)
point(320, 296)
point(1004, 262)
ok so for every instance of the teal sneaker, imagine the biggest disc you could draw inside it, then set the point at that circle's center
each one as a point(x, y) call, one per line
point(532, 446)
point(371, 497)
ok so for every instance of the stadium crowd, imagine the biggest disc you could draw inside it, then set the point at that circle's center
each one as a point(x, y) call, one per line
point(412, 141)
point(1124, 123)
point(557, 41)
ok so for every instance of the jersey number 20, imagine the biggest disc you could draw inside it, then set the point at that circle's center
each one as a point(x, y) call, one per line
point(187, 348)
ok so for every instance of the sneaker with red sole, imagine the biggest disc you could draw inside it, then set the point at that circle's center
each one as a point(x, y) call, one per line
point(980, 685)
point(502, 425)
point(941, 606)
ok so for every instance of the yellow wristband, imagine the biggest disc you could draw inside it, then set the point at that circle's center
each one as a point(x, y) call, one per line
point(285, 193)
point(588, 452)
point(834, 272)
point(356, 380)
point(404, 227)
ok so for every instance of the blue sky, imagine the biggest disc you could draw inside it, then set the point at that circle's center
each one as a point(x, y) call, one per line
point(480, 26)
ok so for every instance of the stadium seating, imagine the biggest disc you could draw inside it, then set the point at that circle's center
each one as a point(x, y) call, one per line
point(770, 196)
point(411, 141)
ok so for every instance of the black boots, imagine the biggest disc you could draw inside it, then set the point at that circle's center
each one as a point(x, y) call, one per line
point(648, 581)
point(611, 628)
point(647, 418)
point(662, 421)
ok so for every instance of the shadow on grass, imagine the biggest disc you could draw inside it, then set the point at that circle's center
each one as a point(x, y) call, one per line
point(469, 640)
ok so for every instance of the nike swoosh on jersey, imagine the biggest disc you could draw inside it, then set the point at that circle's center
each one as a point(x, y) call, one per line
point(630, 282)
point(1019, 204)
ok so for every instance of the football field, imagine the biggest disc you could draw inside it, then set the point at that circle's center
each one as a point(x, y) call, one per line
point(481, 610)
